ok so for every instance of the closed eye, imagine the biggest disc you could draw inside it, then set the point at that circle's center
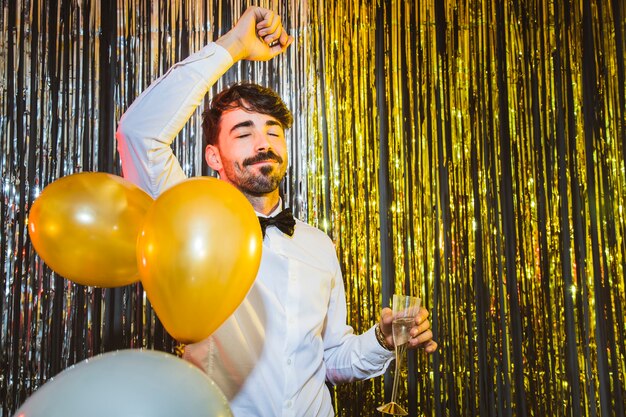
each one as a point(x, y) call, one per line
point(274, 132)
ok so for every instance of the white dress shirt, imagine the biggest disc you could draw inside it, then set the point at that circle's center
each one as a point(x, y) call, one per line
point(274, 354)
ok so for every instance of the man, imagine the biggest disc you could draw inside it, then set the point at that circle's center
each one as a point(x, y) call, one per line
point(274, 354)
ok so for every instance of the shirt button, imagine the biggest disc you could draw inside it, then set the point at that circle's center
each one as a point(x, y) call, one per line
point(289, 404)
point(288, 361)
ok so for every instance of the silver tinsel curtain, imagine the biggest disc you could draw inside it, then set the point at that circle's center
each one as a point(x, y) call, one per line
point(469, 152)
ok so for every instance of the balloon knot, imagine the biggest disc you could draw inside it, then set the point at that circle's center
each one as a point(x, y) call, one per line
point(179, 350)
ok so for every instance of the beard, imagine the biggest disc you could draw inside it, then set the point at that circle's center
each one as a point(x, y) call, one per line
point(256, 181)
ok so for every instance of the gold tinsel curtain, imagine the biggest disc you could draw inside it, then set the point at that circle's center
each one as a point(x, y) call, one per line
point(468, 152)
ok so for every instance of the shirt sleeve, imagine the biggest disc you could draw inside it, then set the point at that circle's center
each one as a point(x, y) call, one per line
point(149, 126)
point(347, 356)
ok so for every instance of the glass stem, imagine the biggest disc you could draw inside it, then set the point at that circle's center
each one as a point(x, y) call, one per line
point(400, 353)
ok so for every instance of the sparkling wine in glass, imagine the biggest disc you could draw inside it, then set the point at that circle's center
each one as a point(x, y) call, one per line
point(405, 309)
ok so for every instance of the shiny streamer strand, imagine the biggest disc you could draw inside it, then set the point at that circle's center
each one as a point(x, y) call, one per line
point(468, 152)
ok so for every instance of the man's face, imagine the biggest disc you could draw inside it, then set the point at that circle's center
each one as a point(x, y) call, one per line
point(251, 152)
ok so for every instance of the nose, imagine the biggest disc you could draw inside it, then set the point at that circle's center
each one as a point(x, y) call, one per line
point(262, 142)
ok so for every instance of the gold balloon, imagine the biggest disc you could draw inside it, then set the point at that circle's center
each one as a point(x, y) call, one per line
point(85, 226)
point(198, 254)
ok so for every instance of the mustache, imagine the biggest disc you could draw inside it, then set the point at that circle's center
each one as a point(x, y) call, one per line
point(263, 156)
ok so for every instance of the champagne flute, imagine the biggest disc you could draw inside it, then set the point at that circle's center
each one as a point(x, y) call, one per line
point(405, 308)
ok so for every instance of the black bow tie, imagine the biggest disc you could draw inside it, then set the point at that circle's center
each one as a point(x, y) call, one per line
point(283, 220)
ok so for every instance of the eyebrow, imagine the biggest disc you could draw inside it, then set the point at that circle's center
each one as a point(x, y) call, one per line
point(248, 123)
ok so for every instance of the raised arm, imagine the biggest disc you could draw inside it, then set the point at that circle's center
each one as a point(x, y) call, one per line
point(151, 123)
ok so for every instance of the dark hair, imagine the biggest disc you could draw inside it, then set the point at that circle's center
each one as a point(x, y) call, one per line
point(248, 96)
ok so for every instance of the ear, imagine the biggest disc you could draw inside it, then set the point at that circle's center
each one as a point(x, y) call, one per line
point(213, 159)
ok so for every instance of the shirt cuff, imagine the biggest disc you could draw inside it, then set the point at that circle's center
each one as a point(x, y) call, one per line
point(375, 347)
point(220, 61)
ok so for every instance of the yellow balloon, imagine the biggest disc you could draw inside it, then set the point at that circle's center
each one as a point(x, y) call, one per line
point(198, 254)
point(85, 226)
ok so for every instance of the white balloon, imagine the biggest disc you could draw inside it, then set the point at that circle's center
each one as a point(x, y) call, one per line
point(128, 383)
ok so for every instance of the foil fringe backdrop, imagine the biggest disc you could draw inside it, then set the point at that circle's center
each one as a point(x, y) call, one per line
point(468, 152)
